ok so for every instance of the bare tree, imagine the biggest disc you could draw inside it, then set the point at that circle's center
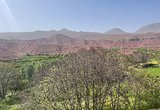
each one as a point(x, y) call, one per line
point(84, 80)
point(95, 80)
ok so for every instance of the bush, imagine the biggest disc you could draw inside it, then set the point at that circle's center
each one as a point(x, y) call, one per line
point(11, 100)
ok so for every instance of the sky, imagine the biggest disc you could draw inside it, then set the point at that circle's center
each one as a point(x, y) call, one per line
point(77, 15)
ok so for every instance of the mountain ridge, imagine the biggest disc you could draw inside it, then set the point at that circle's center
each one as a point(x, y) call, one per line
point(116, 31)
point(150, 28)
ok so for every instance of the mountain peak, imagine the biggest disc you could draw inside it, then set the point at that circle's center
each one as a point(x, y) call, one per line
point(64, 30)
point(116, 31)
point(150, 28)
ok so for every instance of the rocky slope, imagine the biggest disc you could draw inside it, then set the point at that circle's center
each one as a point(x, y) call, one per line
point(59, 43)
point(14, 45)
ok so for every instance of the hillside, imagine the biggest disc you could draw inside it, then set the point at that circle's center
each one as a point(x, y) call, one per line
point(17, 44)
point(58, 44)
point(116, 31)
point(151, 28)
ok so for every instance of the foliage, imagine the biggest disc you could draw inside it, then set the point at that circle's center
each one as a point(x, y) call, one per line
point(11, 100)
point(20, 75)
point(95, 79)
point(85, 80)
point(8, 78)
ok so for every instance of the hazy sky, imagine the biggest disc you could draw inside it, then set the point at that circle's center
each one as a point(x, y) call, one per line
point(79, 15)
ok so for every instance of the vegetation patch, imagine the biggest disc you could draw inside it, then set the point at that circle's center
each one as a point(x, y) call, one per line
point(85, 80)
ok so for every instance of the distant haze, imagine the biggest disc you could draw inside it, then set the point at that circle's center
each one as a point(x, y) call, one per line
point(110, 34)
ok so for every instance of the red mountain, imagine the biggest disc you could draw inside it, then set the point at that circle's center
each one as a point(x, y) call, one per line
point(59, 43)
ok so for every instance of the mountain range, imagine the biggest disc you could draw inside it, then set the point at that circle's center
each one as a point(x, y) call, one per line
point(17, 44)
point(151, 28)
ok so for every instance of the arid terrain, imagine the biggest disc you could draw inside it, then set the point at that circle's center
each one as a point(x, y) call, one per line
point(15, 45)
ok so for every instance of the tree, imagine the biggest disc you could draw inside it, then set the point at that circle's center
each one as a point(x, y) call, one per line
point(83, 80)
point(95, 80)
point(7, 73)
